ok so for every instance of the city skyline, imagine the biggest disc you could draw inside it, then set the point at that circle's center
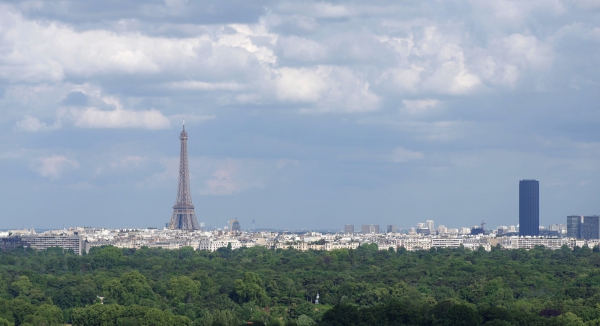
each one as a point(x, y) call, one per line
point(310, 115)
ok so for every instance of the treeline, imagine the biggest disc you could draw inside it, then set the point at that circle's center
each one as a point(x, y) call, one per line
point(367, 286)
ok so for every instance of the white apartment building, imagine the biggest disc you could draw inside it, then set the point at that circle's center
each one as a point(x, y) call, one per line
point(214, 244)
point(42, 242)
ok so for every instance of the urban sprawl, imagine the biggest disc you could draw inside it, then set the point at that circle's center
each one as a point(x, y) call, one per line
point(576, 233)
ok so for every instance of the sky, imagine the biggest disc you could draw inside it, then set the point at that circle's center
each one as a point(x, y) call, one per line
point(300, 114)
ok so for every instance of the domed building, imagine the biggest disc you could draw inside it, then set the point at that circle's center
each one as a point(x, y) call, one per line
point(235, 227)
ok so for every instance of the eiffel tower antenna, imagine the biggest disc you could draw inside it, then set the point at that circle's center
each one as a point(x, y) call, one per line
point(184, 217)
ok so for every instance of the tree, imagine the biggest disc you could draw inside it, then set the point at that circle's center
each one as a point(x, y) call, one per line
point(304, 320)
point(136, 287)
point(52, 315)
point(107, 256)
point(569, 319)
point(156, 317)
point(22, 285)
point(115, 290)
point(21, 309)
point(183, 289)
point(341, 315)
point(462, 315)
point(250, 289)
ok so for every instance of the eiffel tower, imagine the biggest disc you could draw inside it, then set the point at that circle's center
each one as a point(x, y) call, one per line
point(184, 217)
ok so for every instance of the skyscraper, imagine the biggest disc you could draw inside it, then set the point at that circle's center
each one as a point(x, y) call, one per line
point(574, 226)
point(349, 229)
point(590, 227)
point(430, 225)
point(529, 207)
point(369, 228)
point(583, 227)
point(184, 217)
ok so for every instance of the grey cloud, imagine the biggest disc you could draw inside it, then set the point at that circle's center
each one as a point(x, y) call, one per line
point(75, 99)
point(93, 13)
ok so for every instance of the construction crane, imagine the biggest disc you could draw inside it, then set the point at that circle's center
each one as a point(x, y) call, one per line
point(231, 225)
point(482, 224)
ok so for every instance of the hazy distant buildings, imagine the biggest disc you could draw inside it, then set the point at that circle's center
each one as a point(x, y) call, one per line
point(529, 208)
point(235, 227)
point(349, 229)
point(42, 242)
point(590, 227)
point(464, 231)
point(560, 229)
point(430, 225)
point(369, 228)
point(583, 227)
point(423, 231)
point(391, 229)
point(214, 244)
point(442, 229)
point(573, 225)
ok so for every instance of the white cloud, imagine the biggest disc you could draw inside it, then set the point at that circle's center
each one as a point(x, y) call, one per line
point(118, 118)
point(302, 49)
point(282, 163)
point(31, 124)
point(205, 86)
point(36, 51)
point(403, 155)
point(430, 63)
point(230, 177)
point(328, 88)
point(323, 9)
point(419, 106)
point(167, 177)
point(212, 176)
point(222, 181)
point(302, 85)
point(506, 60)
point(54, 166)
point(190, 119)
point(129, 161)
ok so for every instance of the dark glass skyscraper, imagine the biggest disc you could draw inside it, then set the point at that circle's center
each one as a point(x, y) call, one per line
point(529, 207)
point(590, 228)
point(574, 226)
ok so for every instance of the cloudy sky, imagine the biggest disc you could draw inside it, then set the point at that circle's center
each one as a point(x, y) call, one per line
point(300, 114)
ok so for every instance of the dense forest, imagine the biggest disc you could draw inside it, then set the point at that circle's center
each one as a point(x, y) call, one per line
point(367, 286)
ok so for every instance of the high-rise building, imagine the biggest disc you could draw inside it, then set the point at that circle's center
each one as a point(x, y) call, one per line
point(430, 225)
point(391, 229)
point(573, 226)
point(369, 228)
point(375, 228)
point(364, 229)
point(590, 227)
point(529, 208)
point(348, 229)
point(442, 229)
point(424, 231)
point(184, 217)
point(583, 227)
